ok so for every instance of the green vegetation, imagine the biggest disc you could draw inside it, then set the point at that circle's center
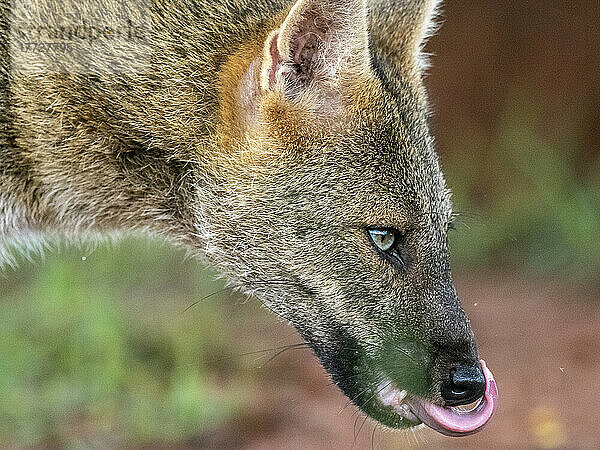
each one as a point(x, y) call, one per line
point(96, 351)
point(528, 204)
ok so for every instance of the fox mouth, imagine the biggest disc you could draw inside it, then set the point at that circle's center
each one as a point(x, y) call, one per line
point(451, 421)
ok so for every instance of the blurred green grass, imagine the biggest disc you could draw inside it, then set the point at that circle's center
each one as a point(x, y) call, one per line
point(95, 349)
point(528, 203)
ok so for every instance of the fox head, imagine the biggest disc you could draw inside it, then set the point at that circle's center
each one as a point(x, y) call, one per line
point(315, 187)
point(329, 204)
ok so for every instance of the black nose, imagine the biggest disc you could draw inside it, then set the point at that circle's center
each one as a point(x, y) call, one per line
point(464, 385)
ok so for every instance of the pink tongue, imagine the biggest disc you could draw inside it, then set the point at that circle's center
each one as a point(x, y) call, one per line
point(454, 422)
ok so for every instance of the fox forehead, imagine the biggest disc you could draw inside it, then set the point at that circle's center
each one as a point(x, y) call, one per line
point(389, 160)
point(397, 187)
point(373, 175)
point(376, 161)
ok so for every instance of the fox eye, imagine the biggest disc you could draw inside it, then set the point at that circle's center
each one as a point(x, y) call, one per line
point(384, 238)
point(389, 242)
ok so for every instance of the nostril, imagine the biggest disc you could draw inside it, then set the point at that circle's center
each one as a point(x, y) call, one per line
point(464, 385)
point(465, 380)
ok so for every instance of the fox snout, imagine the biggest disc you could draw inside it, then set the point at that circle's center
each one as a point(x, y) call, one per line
point(406, 378)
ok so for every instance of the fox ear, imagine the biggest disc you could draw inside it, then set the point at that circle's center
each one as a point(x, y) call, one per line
point(400, 29)
point(318, 40)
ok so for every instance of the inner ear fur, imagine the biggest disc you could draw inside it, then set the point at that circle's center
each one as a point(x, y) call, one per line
point(316, 43)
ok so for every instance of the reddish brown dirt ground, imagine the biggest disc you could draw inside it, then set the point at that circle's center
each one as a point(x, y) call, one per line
point(541, 341)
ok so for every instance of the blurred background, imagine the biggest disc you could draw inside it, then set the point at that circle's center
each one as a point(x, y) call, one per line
point(105, 346)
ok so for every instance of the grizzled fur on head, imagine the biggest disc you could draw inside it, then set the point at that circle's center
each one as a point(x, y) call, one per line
point(266, 136)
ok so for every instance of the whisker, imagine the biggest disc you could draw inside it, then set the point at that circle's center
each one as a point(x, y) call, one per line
point(467, 214)
point(220, 291)
point(377, 392)
point(283, 351)
point(267, 350)
point(352, 400)
point(276, 349)
point(373, 436)
point(359, 430)
point(408, 355)
point(354, 427)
